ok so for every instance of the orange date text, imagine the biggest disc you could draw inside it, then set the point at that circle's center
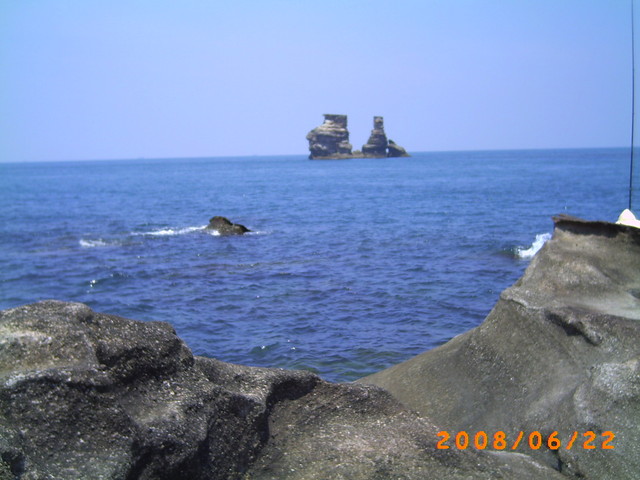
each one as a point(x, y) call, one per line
point(535, 440)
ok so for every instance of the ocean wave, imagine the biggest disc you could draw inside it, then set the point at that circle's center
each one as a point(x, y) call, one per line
point(171, 231)
point(84, 243)
point(216, 233)
point(527, 253)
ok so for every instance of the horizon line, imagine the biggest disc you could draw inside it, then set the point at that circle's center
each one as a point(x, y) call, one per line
point(203, 157)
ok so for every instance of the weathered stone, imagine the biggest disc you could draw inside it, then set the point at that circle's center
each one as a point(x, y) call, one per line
point(376, 146)
point(559, 352)
point(331, 139)
point(85, 395)
point(224, 226)
point(395, 150)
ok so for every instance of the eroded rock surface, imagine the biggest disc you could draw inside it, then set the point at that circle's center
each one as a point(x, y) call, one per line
point(560, 351)
point(395, 150)
point(331, 139)
point(85, 395)
point(376, 146)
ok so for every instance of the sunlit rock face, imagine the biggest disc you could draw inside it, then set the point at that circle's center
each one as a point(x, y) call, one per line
point(560, 352)
point(376, 146)
point(331, 139)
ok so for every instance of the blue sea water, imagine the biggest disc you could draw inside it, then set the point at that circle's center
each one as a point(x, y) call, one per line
point(352, 266)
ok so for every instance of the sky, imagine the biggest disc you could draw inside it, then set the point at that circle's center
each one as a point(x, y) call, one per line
point(116, 79)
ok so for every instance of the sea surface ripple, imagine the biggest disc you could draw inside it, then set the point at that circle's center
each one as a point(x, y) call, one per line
point(352, 266)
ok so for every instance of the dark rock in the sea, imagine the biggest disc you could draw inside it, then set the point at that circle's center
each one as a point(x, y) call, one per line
point(224, 226)
point(560, 352)
point(331, 139)
point(395, 150)
point(85, 395)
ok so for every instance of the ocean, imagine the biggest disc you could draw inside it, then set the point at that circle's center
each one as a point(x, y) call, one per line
point(351, 266)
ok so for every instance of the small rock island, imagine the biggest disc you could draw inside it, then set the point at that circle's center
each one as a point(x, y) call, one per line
point(330, 141)
point(224, 226)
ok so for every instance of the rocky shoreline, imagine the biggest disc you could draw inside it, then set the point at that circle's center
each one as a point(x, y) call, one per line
point(86, 395)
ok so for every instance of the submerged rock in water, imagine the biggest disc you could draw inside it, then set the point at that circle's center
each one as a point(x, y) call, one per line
point(85, 395)
point(224, 226)
point(560, 352)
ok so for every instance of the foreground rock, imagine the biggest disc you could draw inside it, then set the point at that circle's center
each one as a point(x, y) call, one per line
point(224, 226)
point(85, 395)
point(559, 352)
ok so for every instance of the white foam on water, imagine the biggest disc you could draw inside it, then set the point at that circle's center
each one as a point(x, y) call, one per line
point(171, 231)
point(92, 243)
point(527, 253)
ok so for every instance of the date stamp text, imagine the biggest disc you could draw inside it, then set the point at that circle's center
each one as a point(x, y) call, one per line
point(535, 440)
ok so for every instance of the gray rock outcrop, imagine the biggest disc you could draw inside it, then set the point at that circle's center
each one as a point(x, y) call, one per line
point(376, 146)
point(395, 150)
point(85, 395)
point(224, 226)
point(331, 139)
point(560, 352)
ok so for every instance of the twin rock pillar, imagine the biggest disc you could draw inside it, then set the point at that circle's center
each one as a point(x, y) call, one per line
point(331, 141)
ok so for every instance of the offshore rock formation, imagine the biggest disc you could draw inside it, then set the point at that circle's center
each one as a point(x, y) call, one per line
point(85, 395)
point(378, 146)
point(331, 141)
point(395, 150)
point(560, 352)
point(224, 226)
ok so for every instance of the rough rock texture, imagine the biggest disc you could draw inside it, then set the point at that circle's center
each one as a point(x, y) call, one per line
point(376, 146)
point(395, 150)
point(224, 226)
point(560, 351)
point(331, 139)
point(85, 395)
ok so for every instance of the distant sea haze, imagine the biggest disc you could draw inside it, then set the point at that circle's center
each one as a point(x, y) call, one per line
point(351, 266)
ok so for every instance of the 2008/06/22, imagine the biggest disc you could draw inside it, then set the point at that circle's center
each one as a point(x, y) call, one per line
point(535, 440)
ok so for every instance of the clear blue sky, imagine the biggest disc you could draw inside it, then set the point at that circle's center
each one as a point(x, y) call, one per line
point(89, 79)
